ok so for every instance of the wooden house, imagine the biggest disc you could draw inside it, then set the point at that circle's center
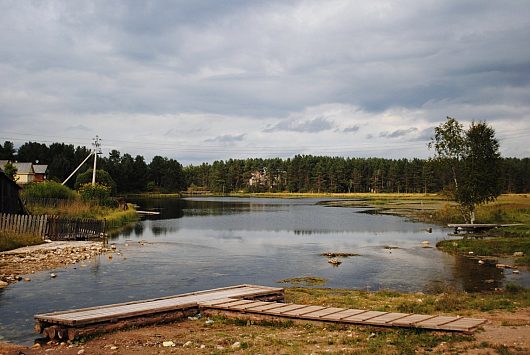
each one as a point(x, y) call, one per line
point(40, 172)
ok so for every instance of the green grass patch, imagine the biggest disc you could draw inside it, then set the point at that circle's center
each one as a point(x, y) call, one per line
point(392, 301)
point(9, 241)
point(305, 281)
point(496, 246)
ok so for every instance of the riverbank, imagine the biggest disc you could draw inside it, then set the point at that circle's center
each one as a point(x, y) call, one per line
point(507, 242)
point(18, 264)
point(507, 332)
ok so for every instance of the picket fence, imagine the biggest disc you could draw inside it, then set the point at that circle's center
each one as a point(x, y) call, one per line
point(52, 227)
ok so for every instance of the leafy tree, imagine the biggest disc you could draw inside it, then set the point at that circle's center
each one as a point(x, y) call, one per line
point(10, 170)
point(474, 159)
point(102, 178)
point(7, 151)
point(33, 152)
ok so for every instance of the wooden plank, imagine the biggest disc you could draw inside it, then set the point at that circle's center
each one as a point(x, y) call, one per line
point(236, 303)
point(361, 317)
point(386, 318)
point(285, 308)
point(464, 324)
point(324, 312)
point(265, 307)
point(216, 302)
point(242, 307)
point(411, 320)
point(343, 314)
point(301, 311)
point(436, 322)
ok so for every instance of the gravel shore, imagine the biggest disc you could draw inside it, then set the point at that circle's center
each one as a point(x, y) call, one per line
point(16, 264)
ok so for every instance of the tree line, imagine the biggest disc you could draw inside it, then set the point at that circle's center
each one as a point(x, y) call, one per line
point(301, 173)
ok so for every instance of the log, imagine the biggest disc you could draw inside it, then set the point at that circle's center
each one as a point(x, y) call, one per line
point(51, 332)
point(76, 332)
point(38, 327)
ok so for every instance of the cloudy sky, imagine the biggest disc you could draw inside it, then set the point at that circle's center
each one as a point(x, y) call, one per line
point(204, 80)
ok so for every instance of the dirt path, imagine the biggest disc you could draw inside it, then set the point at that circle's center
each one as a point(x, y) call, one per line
point(25, 261)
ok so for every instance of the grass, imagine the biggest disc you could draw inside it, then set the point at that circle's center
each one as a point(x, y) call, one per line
point(496, 246)
point(449, 301)
point(305, 281)
point(10, 240)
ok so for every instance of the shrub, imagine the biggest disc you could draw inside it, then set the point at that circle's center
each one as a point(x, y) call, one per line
point(48, 189)
point(102, 177)
point(98, 193)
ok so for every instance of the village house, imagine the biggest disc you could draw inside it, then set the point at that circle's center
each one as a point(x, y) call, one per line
point(27, 172)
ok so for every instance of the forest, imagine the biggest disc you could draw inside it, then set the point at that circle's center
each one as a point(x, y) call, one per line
point(301, 173)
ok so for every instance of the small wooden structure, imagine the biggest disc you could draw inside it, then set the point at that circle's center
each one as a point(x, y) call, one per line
point(9, 196)
point(479, 227)
point(247, 299)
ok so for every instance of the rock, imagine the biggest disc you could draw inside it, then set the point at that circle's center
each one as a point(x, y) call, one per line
point(219, 347)
point(113, 347)
point(52, 275)
point(3, 284)
point(425, 242)
point(236, 345)
point(27, 279)
point(481, 262)
point(168, 343)
point(203, 346)
point(113, 246)
point(518, 253)
point(82, 351)
point(515, 271)
point(209, 322)
point(471, 253)
point(187, 344)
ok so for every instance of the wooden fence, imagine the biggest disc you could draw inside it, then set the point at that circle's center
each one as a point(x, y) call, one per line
point(52, 227)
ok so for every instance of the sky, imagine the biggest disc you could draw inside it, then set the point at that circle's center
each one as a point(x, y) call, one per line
point(199, 81)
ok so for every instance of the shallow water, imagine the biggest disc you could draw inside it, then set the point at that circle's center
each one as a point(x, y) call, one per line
point(202, 243)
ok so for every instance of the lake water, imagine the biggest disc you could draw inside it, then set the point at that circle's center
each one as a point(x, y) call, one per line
point(201, 243)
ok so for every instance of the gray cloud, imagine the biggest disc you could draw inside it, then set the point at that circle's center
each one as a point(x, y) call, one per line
point(398, 133)
point(311, 126)
point(67, 63)
point(351, 129)
point(227, 138)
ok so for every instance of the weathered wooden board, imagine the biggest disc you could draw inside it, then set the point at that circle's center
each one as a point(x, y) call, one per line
point(344, 315)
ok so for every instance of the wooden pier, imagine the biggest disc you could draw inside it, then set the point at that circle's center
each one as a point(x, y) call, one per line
point(241, 299)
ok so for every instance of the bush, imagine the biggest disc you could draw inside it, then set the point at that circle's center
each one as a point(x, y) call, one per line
point(102, 177)
point(97, 193)
point(48, 189)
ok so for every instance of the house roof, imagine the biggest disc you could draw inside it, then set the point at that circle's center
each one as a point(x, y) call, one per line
point(24, 168)
point(40, 169)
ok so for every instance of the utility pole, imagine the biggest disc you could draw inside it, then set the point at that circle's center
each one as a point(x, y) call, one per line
point(97, 150)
